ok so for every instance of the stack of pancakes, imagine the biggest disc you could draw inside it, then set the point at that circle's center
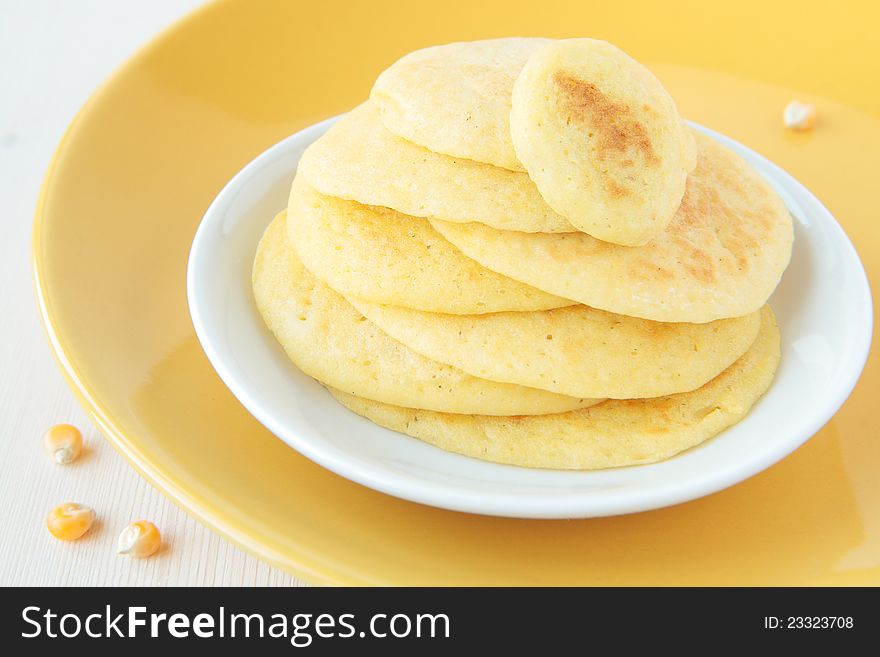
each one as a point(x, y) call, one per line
point(516, 250)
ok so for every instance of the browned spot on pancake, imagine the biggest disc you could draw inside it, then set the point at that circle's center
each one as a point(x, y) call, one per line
point(695, 261)
point(691, 214)
point(740, 236)
point(616, 191)
point(619, 131)
point(722, 215)
point(646, 270)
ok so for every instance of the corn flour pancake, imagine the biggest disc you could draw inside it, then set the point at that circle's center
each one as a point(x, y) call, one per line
point(332, 342)
point(577, 351)
point(360, 160)
point(602, 140)
point(722, 255)
point(380, 255)
point(455, 98)
point(613, 433)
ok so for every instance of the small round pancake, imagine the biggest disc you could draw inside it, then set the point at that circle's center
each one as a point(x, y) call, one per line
point(602, 139)
point(722, 255)
point(331, 341)
point(360, 160)
point(577, 351)
point(381, 255)
point(455, 98)
point(614, 433)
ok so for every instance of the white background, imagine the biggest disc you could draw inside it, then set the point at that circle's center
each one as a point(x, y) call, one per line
point(53, 54)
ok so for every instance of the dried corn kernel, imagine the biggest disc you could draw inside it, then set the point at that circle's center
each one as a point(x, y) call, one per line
point(63, 442)
point(799, 116)
point(140, 539)
point(69, 521)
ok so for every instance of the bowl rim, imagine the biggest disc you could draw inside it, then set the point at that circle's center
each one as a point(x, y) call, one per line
point(575, 505)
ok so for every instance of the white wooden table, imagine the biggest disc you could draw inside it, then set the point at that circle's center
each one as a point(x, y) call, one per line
point(53, 53)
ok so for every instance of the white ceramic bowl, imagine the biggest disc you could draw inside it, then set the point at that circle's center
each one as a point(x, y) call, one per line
point(823, 305)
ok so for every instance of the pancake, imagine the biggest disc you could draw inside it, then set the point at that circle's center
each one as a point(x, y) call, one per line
point(360, 160)
point(722, 255)
point(602, 140)
point(380, 255)
point(614, 433)
point(331, 341)
point(455, 98)
point(577, 351)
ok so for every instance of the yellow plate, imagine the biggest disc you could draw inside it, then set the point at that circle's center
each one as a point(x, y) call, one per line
point(148, 152)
